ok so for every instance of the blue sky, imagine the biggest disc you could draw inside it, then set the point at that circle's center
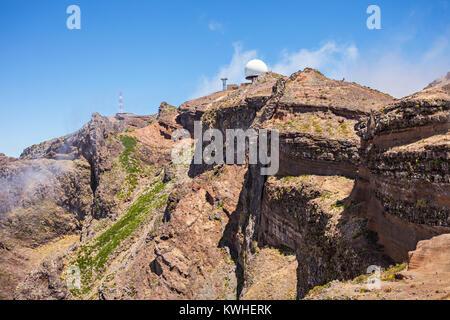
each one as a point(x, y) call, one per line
point(53, 78)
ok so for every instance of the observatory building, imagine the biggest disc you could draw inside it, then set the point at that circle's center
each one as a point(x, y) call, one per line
point(255, 68)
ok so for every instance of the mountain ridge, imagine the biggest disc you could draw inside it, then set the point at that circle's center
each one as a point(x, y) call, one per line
point(363, 179)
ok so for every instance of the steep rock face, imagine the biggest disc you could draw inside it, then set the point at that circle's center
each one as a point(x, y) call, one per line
point(404, 175)
point(44, 283)
point(271, 275)
point(308, 214)
point(138, 184)
point(431, 256)
point(316, 137)
point(231, 108)
point(239, 108)
point(425, 277)
point(193, 110)
point(51, 191)
point(204, 269)
point(43, 199)
point(23, 269)
point(316, 117)
point(94, 142)
point(166, 119)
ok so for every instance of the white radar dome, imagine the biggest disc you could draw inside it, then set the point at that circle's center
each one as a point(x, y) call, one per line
point(255, 68)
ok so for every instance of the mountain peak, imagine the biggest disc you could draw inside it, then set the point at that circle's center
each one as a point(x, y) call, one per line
point(442, 81)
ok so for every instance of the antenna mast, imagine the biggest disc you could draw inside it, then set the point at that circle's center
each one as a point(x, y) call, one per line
point(224, 83)
point(120, 103)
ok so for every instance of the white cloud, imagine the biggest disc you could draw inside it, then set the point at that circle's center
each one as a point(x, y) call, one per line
point(395, 72)
point(215, 26)
point(332, 57)
point(234, 71)
point(390, 69)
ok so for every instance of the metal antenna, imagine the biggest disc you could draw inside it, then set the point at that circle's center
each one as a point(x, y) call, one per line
point(224, 81)
point(120, 103)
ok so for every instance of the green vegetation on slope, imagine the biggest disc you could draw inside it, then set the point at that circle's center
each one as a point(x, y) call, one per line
point(129, 161)
point(92, 258)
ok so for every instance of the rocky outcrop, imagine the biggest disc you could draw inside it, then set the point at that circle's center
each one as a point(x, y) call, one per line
point(230, 108)
point(202, 218)
point(431, 256)
point(271, 275)
point(316, 118)
point(310, 216)
point(43, 199)
point(443, 81)
point(44, 283)
point(404, 175)
point(4, 159)
point(315, 138)
point(425, 277)
point(53, 189)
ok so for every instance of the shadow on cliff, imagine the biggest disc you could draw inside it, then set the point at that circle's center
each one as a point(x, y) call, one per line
point(243, 224)
point(235, 227)
point(230, 238)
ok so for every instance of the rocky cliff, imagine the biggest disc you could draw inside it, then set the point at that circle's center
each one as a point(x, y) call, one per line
point(362, 179)
point(404, 173)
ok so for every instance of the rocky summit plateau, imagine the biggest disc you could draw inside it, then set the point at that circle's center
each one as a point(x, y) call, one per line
point(363, 185)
